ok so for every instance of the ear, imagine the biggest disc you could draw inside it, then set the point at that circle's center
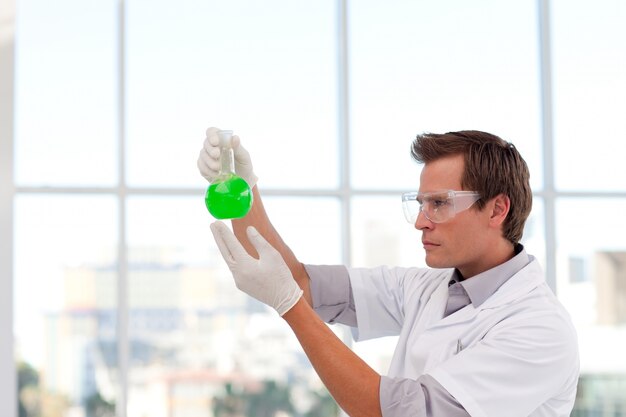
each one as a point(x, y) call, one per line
point(501, 205)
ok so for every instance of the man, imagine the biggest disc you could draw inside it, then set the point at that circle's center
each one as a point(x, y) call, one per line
point(480, 334)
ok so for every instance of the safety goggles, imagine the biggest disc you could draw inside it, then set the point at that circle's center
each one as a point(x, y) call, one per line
point(438, 206)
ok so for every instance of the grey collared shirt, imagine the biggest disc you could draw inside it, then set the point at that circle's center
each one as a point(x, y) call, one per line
point(480, 287)
point(333, 301)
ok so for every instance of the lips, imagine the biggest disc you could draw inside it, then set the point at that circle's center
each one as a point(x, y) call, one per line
point(429, 244)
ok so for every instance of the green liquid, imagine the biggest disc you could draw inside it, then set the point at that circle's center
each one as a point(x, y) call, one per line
point(228, 198)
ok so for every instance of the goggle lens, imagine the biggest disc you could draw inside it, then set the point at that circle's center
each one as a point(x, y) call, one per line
point(439, 206)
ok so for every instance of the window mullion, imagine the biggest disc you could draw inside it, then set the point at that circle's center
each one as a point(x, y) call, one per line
point(123, 340)
point(543, 7)
point(8, 379)
point(343, 121)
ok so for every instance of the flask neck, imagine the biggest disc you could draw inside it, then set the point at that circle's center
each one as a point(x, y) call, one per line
point(227, 160)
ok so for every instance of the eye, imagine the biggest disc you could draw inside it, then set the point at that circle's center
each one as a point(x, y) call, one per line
point(438, 203)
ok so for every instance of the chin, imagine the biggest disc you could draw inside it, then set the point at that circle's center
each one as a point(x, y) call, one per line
point(433, 262)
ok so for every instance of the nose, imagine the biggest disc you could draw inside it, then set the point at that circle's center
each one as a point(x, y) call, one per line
point(422, 222)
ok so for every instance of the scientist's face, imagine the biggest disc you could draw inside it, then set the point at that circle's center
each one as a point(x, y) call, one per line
point(462, 242)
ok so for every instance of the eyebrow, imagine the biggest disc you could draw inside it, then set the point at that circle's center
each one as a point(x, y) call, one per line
point(433, 194)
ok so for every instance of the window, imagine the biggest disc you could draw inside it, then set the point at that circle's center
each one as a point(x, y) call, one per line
point(589, 89)
point(121, 302)
point(437, 67)
point(65, 59)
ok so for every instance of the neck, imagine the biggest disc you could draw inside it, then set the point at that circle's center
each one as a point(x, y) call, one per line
point(498, 254)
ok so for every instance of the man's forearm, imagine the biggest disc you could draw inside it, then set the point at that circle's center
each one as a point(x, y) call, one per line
point(258, 218)
point(351, 382)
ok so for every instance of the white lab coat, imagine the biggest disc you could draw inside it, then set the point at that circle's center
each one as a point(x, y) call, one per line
point(514, 355)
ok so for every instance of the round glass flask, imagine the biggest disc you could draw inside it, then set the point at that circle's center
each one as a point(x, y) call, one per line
point(228, 196)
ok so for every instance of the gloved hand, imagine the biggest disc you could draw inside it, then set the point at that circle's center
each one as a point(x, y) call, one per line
point(209, 158)
point(268, 279)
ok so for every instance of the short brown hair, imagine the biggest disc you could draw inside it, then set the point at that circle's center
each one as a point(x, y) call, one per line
point(493, 166)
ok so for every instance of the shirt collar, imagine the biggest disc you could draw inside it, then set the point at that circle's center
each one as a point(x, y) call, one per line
point(483, 285)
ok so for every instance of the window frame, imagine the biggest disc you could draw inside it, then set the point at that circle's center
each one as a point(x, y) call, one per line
point(9, 190)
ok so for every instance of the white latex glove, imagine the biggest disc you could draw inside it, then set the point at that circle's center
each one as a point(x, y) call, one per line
point(209, 158)
point(268, 279)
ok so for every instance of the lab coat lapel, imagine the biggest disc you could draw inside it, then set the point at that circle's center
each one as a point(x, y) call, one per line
point(465, 314)
point(523, 282)
point(526, 280)
point(434, 308)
